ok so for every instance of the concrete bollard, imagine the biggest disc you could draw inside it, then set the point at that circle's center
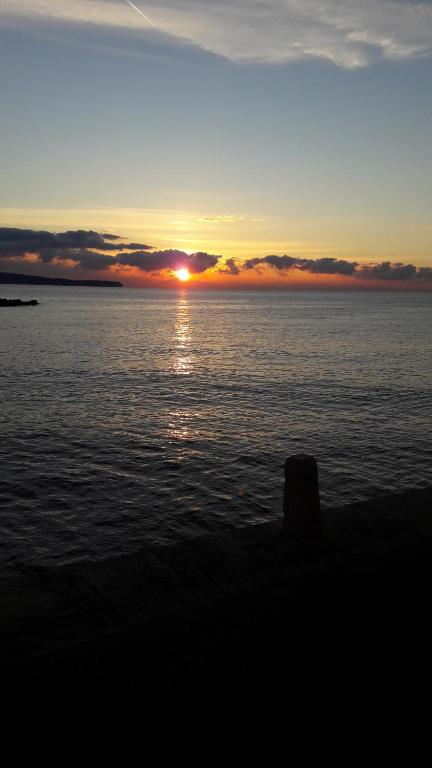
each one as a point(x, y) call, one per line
point(301, 505)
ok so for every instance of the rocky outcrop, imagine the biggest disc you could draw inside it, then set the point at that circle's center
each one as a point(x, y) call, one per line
point(18, 303)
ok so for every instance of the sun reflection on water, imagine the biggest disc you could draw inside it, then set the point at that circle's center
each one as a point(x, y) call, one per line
point(182, 356)
point(180, 418)
point(179, 428)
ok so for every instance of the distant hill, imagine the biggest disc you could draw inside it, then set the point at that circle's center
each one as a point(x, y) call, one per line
point(12, 278)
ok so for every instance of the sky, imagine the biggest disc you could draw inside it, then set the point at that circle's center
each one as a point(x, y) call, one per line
point(256, 143)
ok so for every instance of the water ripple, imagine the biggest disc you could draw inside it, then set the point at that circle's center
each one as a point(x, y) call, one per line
point(133, 416)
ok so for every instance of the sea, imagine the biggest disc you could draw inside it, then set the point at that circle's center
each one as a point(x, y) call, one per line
point(135, 416)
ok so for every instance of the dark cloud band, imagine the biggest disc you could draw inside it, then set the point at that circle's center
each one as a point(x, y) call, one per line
point(171, 259)
point(81, 247)
point(18, 242)
point(330, 266)
point(87, 249)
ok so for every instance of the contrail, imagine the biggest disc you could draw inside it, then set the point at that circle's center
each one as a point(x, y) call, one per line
point(139, 11)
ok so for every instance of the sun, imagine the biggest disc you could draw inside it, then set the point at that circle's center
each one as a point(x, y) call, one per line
point(183, 274)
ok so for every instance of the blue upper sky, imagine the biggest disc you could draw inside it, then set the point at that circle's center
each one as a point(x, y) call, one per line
point(310, 122)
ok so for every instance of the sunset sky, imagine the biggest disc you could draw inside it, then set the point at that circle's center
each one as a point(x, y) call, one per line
point(264, 143)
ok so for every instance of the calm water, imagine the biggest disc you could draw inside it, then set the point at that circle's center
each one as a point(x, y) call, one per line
point(132, 416)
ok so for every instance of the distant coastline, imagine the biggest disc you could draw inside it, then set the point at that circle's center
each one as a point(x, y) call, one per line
point(11, 278)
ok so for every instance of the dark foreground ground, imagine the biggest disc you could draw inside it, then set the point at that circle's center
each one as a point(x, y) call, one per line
point(251, 610)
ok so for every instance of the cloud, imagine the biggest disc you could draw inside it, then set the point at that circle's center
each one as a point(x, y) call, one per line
point(71, 249)
point(170, 259)
point(79, 249)
point(350, 33)
point(153, 262)
point(130, 247)
point(15, 242)
point(277, 262)
point(230, 268)
point(424, 273)
point(323, 266)
point(91, 261)
point(220, 219)
point(386, 270)
point(200, 262)
point(329, 266)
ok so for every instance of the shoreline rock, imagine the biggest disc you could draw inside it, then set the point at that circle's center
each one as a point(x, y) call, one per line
point(18, 303)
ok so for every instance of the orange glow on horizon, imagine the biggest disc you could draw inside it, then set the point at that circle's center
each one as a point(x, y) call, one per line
point(263, 279)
